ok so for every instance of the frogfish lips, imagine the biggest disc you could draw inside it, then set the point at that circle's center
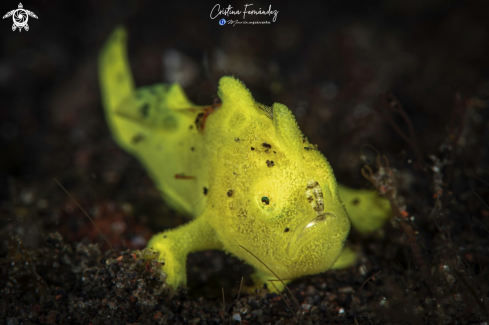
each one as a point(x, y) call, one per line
point(327, 231)
point(319, 239)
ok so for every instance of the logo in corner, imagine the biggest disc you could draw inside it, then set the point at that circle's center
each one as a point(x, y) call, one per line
point(20, 17)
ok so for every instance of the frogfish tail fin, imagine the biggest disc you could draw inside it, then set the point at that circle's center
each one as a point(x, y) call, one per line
point(116, 84)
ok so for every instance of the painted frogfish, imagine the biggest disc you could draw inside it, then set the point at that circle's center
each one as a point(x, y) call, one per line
point(253, 185)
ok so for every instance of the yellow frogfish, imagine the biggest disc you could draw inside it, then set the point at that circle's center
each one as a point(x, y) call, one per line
point(253, 185)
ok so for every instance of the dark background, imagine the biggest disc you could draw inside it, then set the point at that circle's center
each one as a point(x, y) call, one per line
point(329, 62)
point(425, 51)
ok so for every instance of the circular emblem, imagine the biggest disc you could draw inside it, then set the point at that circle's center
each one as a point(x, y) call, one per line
point(20, 18)
point(222, 22)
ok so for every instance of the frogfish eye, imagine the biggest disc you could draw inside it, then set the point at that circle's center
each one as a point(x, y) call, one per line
point(265, 200)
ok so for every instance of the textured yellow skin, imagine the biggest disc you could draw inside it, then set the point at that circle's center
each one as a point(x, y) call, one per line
point(366, 209)
point(244, 153)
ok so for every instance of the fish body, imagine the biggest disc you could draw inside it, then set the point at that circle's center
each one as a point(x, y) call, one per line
point(251, 182)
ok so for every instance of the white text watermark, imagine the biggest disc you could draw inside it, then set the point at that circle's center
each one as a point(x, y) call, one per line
point(247, 10)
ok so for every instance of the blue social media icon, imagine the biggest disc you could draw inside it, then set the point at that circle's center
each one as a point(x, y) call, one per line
point(222, 22)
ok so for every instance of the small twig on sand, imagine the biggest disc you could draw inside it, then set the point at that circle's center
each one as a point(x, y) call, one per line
point(86, 214)
point(223, 302)
point(283, 298)
point(271, 271)
point(392, 105)
point(385, 181)
point(239, 292)
point(370, 277)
